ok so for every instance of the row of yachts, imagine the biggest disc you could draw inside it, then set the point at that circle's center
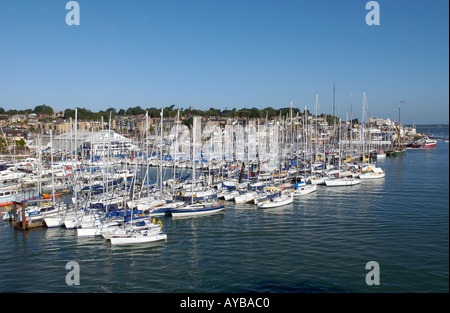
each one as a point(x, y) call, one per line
point(124, 212)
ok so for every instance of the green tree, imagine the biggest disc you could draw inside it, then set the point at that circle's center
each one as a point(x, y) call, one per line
point(154, 113)
point(188, 122)
point(69, 113)
point(20, 143)
point(270, 112)
point(137, 110)
point(43, 109)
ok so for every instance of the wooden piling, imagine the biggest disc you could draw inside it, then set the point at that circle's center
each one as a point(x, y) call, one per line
point(23, 223)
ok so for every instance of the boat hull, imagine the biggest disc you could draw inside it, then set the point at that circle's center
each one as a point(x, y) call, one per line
point(52, 222)
point(304, 190)
point(127, 240)
point(317, 181)
point(342, 182)
point(372, 176)
point(275, 203)
point(182, 212)
point(89, 231)
point(245, 198)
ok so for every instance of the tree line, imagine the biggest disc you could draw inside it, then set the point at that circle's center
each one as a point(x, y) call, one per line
point(169, 111)
point(40, 109)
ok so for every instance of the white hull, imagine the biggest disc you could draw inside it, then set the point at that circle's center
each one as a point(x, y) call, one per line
point(275, 202)
point(89, 231)
point(121, 231)
point(372, 175)
point(317, 181)
point(245, 198)
point(339, 182)
point(71, 223)
point(81, 220)
point(95, 230)
point(135, 239)
point(48, 214)
point(194, 212)
point(304, 190)
point(56, 221)
point(230, 195)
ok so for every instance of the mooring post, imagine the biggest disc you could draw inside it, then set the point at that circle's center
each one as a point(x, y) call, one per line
point(24, 221)
point(14, 210)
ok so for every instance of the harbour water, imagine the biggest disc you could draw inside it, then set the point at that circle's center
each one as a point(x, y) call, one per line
point(320, 243)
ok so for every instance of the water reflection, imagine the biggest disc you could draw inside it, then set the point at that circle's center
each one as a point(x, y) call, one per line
point(320, 243)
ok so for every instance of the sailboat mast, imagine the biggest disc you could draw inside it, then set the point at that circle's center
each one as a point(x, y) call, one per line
point(351, 120)
point(339, 168)
point(399, 133)
point(175, 154)
point(194, 126)
point(334, 115)
point(146, 151)
point(362, 124)
point(161, 154)
point(315, 144)
point(51, 160)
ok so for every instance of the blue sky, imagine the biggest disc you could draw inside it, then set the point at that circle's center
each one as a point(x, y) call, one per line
point(228, 53)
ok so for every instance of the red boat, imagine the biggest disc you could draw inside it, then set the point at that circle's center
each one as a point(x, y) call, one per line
point(424, 143)
point(430, 143)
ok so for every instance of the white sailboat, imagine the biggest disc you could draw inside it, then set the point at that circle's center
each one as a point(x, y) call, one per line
point(55, 221)
point(200, 202)
point(139, 224)
point(341, 181)
point(284, 199)
point(229, 195)
point(197, 209)
point(317, 180)
point(304, 190)
point(246, 197)
point(372, 172)
point(137, 236)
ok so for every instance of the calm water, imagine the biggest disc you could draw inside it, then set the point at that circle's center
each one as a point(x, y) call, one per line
point(321, 243)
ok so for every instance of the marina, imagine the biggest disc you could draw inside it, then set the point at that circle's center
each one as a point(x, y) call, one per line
point(209, 228)
point(216, 154)
point(260, 161)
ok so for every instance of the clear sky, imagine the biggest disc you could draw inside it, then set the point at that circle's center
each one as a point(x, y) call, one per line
point(228, 53)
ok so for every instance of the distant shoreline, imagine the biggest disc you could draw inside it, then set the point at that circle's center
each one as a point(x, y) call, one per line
point(429, 125)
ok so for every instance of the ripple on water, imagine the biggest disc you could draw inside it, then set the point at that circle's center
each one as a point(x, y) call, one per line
point(320, 243)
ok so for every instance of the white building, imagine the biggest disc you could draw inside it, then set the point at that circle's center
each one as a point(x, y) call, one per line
point(98, 143)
